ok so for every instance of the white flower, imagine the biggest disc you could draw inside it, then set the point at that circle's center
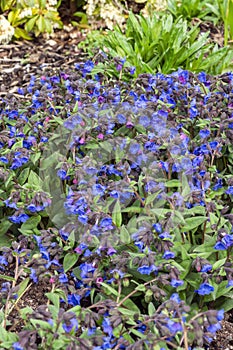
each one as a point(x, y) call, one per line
point(52, 2)
point(26, 12)
point(6, 30)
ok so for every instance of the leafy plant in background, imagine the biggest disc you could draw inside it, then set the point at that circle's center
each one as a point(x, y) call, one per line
point(188, 9)
point(32, 16)
point(226, 10)
point(162, 44)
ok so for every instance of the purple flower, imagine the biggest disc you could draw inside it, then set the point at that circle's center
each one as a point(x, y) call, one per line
point(205, 289)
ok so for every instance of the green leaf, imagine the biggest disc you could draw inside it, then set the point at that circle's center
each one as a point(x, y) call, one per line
point(69, 261)
point(173, 183)
point(5, 224)
point(110, 289)
point(22, 286)
point(151, 309)
point(31, 223)
point(7, 278)
point(43, 324)
point(194, 222)
point(54, 298)
point(23, 176)
point(116, 214)
point(124, 235)
point(219, 264)
point(41, 24)
point(30, 23)
point(131, 305)
point(21, 33)
point(141, 288)
point(34, 180)
point(126, 312)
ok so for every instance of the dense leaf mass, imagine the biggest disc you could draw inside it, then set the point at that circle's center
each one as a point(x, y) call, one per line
point(117, 193)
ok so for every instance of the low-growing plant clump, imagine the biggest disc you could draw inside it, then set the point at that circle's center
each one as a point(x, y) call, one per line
point(116, 193)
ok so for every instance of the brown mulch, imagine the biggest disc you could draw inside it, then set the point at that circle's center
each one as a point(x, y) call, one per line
point(18, 61)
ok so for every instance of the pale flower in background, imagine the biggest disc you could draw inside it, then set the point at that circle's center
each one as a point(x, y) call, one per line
point(6, 30)
point(111, 13)
point(26, 12)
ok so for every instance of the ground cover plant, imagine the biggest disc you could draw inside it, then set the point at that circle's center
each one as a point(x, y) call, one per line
point(117, 195)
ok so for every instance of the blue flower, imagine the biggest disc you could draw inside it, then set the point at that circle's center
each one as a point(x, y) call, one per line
point(220, 315)
point(204, 133)
point(106, 223)
point(62, 174)
point(86, 269)
point(74, 299)
point(3, 160)
point(107, 326)
point(3, 260)
point(146, 270)
point(174, 327)
point(213, 328)
point(83, 219)
point(33, 275)
point(165, 235)
point(213, 144)
point(175, 297)
point(17, 219)
point(71, 324)
point(98, 190)
point(176, 283)
point(229, 190)
point(206, 268)
point(132, 70)
point(205, 289)
point(63, 278)
point(220, 246)
point(17, 346)
point(157, 227)
point(168, 255)
point(134, 148)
